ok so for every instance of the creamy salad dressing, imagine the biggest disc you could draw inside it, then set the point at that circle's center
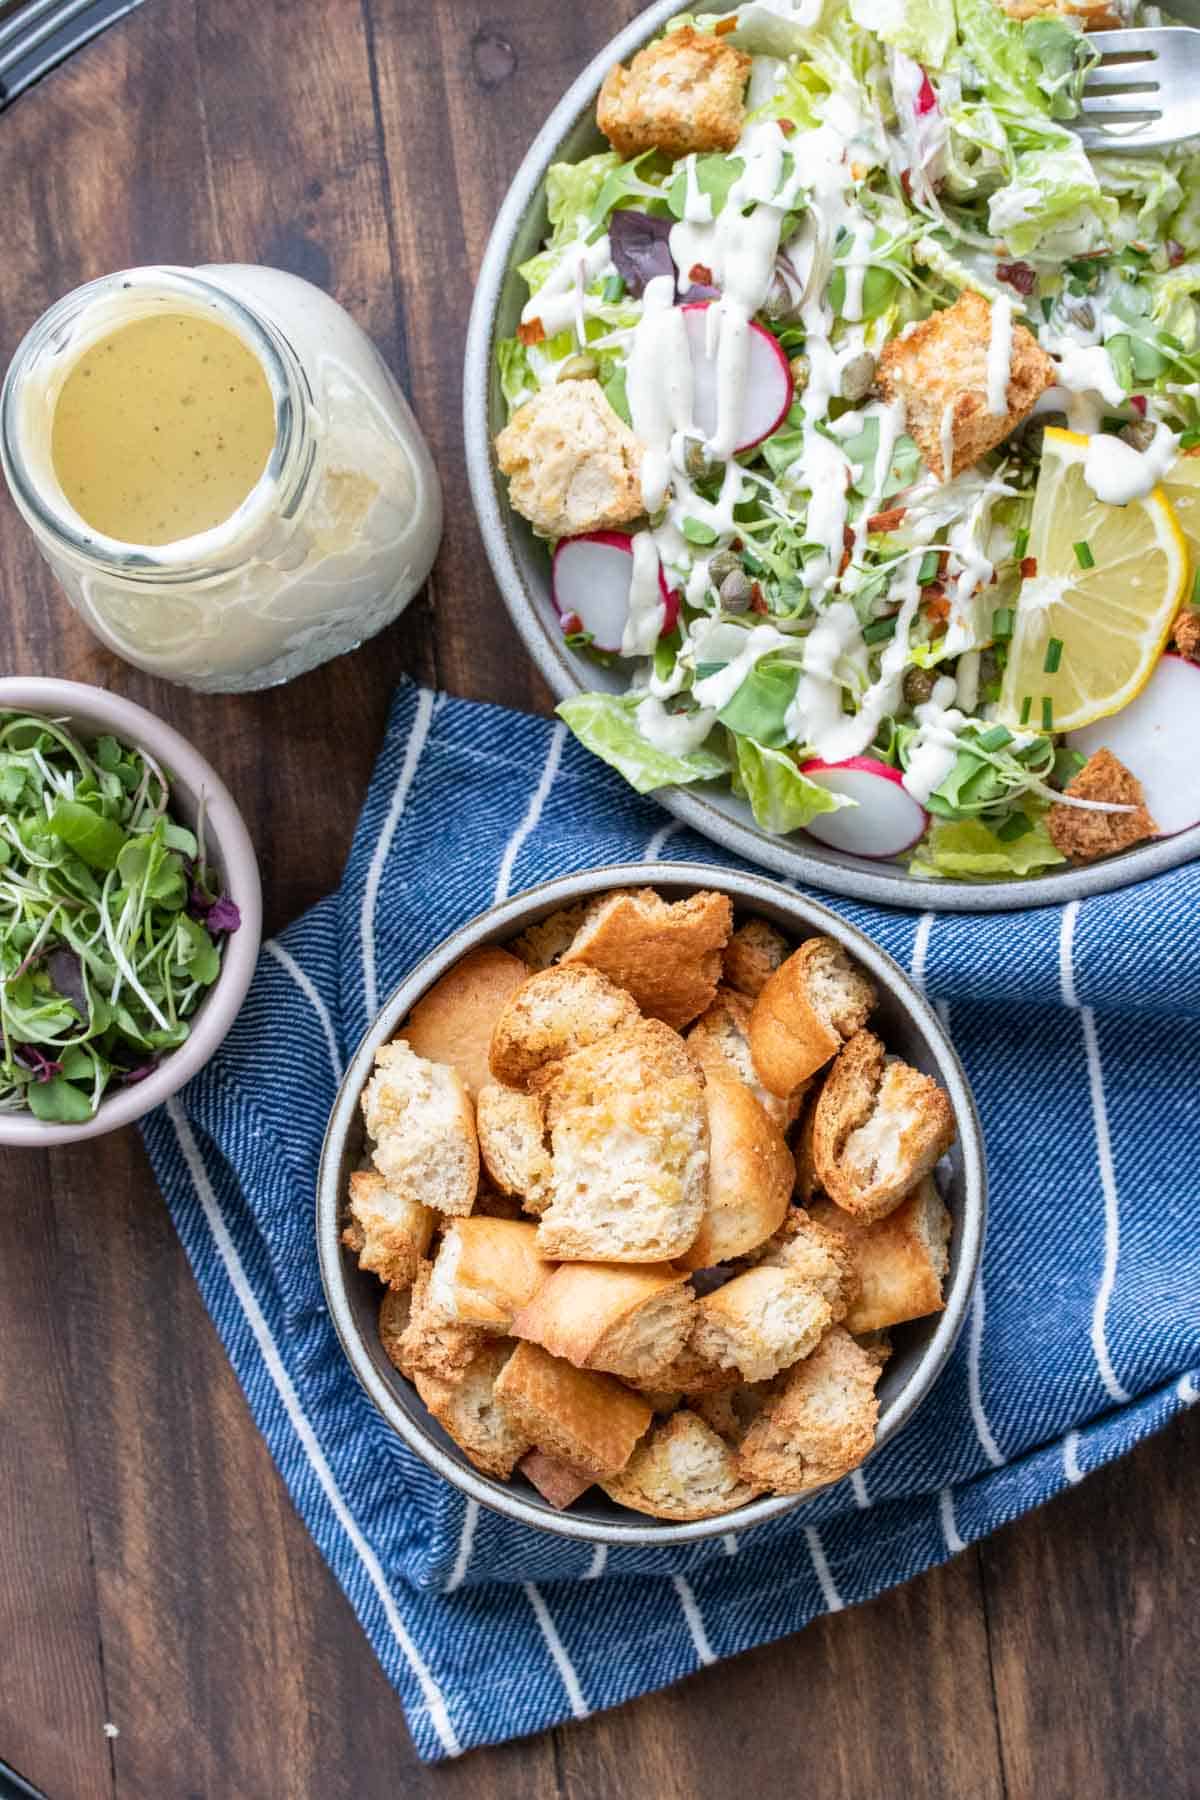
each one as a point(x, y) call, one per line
point(999, 356)
point(1117, 473)
point(644, 625)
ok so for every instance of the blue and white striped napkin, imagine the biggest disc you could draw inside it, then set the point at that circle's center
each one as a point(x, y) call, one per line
point(1080, 1030)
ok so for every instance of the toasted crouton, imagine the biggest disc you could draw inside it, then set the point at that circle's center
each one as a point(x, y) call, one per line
point(629, 1135)
point(431, 1342)
point(588, 1420)
point(512, 1143)
point(682, 1471)
point(938, 368)
point(557, 1481)
point(552, 1013)
point(719, 1044)
point(388, 1232)
point(1093, 15)
point(900, 1261)
point(453, 1022)
point(879, 1127)
point(572, 463)
point(821, 1421)
point(812, 1002)
point(631, 1322)
point(683, 92)
point(808, 1182)
point(818, 1251)
point(490, 1203)
point(688, 1376)
point(542, 944)
point(421, 1118)
point(667, 955)
point(394, 1311)
point(1185, 634)
point(749, 1177)
point(752, 955)
point(468, 1410)
point(733, 1411)
point(760, 1322)
point(1084, 835)
point(485, 1271)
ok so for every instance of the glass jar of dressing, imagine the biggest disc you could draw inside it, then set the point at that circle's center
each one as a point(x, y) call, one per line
point(220, 470)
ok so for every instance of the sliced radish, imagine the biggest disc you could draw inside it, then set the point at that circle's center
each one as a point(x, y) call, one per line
point(1157, 737)
point(886, 820)
point(767, 394)
point(590, 585)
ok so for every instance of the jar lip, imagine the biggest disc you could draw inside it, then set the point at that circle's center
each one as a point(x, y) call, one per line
point(188, 556)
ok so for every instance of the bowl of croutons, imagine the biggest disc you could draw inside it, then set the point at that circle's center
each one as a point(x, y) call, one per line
point(651, 1202)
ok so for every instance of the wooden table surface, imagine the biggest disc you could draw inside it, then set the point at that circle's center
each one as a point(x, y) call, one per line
point(152, 1572)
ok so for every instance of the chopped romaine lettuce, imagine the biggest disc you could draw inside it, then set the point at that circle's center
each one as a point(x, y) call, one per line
point(966, 850)
point(781, 798)
point(923, 29)
point(759, 708)
point(516, 376)
point(571, 193)
point(606, 724)
point(1054, 203)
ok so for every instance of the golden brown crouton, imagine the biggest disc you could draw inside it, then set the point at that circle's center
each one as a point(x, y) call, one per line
point(553, 1013)
point(733, 1411)
point(512, 1134)
point(388, 1232)
point(431, 1342)
point(1084, 835)
point(572, 463)
point(421, 1118)
point(468, 1410)
point(749, 1177)
point(682, 1470)
point(819, 1252)
point(939, 370)
point(719, 1044)
point(879, 1127)
point(760, 1322)
point(1093, 15)
point(542, 944)
point(666, 954)
point(394, 1311)
point(821, 1422)
point(682, 93)
point(1186, 635)
point(811, 1003)
point(899, 1262)
point(754, 952)
point(630, 1322)
point(452, 1023)
point(588, 1420)
point(485, 1271)
point(808, 1182)
point(689, 1375)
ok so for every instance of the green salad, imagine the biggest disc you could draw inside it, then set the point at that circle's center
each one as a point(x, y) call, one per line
point(847, 428)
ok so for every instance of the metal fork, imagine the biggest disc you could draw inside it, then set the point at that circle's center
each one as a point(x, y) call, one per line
point(1144, 92)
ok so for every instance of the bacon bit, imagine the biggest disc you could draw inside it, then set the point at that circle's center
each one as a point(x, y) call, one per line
point(1175, 252)
point(701, 274)
point(936, 607)
point(844, 564)
point(736, 544)
point(1028, 567)
point(758, 600)
point(906, 182)
point(1138, 403)
point(787, 126)
point(926, 98)
point(891, 520)
point(943, 564)
point(847, 538)
point(533, 333)
point(723, 27)
point(1018, 275)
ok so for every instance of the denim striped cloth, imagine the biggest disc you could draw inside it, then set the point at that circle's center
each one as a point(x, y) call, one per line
point(1080, 1030)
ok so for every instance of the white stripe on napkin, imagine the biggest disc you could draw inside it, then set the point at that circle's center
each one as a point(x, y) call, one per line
point(595, 1568)
point(983, 1430)
point(1071, 1468)
point(557, 1649)
point(662, 837)
point(954, 1543)
point(730, 1542)
point(1187, 1390)
point(533, 812)
point(695, 1619)
point(412, 756)
point(466, 1543)
point(227, 1250)
point(858, 1488)
point(310, 993)
point(920, 950)
point(833, 1600)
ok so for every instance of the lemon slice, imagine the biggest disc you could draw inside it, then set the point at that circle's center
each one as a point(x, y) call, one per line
point(1091, 622)
point(1182, 488)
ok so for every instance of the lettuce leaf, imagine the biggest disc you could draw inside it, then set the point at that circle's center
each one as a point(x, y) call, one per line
point(923, 29)
point(606, 724)
point(516, 376)
point(966, 850)
point(759, 707)
point(781, 798)
point(571, 193)
point(1054, 202)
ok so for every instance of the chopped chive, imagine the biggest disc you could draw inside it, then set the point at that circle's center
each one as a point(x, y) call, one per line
point(1047, 307)
point(1047, 713)
point(1196, 588)
point(613, 289)
point(1054, 651)
point(996, 738)
point(1002, 622)
point(879, 630)
point(928, 569)
point(1083, 555)
point(1015, 826)
point(1021, 544)
point(1111, 424)
point(1026, 708)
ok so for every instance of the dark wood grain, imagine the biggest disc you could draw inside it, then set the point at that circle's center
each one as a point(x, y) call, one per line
point(152, 1572)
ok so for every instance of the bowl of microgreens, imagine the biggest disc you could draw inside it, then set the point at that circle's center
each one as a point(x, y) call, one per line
point(130, 911)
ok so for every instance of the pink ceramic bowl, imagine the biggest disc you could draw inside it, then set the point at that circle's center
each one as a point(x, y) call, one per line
point(92, 711)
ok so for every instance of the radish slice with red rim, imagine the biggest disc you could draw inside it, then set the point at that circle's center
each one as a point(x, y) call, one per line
point(1157, 738)
point(885, 820)
point(590, 585)
point(767, 394)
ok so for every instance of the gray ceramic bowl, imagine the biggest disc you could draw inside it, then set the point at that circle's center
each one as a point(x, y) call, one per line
point(907, 1024)
point(522, 567)
point(94, 711)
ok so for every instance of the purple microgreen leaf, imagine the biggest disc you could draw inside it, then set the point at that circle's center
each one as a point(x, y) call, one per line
point(223, 915)
point(66, 972)
point(32, 1058)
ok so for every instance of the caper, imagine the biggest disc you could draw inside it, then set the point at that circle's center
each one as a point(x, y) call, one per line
point(1139, 434)
point(735, 591)
point(1084, 316)
point(858, 377)
point(780, 302)
point(697, 462)
point(725, 562)
point(801, 370)
point(580, 367)
point(1033, 431)
point(918, 685)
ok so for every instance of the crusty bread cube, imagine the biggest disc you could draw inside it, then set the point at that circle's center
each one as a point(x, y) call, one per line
point(421, 1118)
point(1093, 15)
point(683, 92)
point(750, 1176)
point(629, 1136)
point(719, 1044)
point(808, 1182)
point(687, 1376)
point(485, 1271)
point(542, 944)
point(1083, 835)
point(588, 1420)
point(753, 953)
point(804, 1012)
point(900, 1261)
point(555, 1480)
point(468, 1410)
point(681, 1471)
point(551, 1014)
point(430, 1342)
point(512, 1143)
point(820, 1423)
point(388, 1232)
point(1185, 634)
point(666, 954)
point(941, 363)
point(394, 1311)
point(879, 1127)
point(732, 1411)
point(453, 1022)
point(760, 1322)
point(819, 1252)
point(573, 465)
point(631, 1322)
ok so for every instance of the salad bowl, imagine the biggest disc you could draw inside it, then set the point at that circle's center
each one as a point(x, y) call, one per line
point(522, 566)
